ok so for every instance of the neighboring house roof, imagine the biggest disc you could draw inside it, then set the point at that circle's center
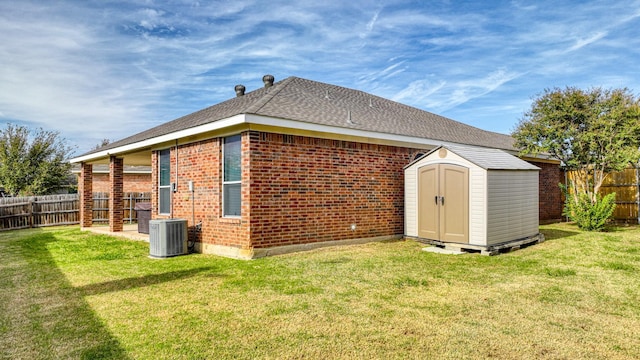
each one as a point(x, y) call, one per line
point(104, 169)
point(341, 110)
point(488, 159)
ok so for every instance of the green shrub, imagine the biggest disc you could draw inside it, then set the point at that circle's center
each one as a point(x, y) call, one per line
point(588, 215)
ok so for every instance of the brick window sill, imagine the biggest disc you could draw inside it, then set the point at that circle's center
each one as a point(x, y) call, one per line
point(230, 221)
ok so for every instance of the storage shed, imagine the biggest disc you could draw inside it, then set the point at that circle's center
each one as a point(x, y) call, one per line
point(472, 198)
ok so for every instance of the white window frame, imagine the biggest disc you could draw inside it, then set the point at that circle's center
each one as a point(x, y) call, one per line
point(235, 182)
point(166, 187)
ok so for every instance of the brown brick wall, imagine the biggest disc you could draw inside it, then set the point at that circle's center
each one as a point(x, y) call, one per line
point(131, 182)
point(298, 190)
point(294, 190)
point(551, 201)
point(200, 162)
point(85, 189)
point(154, 184)
point(306, 190)
point(116, 212)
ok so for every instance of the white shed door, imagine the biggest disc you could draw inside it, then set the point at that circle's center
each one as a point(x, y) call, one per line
point(443, 204)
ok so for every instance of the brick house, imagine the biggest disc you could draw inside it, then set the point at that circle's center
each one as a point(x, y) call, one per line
point(135, 179)
point(293, 165)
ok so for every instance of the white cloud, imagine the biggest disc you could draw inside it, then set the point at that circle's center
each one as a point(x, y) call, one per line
point(59, 77)
point(370, 25)
point(582, 42)
point(441, 96)
point(419, 91)
point(96, 70)
point(525, 7)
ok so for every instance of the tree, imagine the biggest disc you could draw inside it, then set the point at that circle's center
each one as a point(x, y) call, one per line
point(104, 142)
point(32, 162)
point(592, 132)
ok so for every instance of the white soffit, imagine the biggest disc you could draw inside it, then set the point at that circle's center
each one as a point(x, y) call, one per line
point(259, 120)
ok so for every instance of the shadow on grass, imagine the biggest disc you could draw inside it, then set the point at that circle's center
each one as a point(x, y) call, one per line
point(47, 316)
point(137, 282)
point(555, 234)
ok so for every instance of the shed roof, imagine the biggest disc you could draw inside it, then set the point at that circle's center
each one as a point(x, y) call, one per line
point(314, 102)
point(488, 159)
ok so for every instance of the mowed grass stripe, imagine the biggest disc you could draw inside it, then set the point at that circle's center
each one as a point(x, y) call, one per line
point(70, 294)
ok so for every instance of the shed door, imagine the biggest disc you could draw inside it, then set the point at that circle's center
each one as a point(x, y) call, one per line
point(443, 210)
point(428, 218)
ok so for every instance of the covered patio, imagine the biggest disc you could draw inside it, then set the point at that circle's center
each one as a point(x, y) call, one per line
point(129, 231)
point(116, 224)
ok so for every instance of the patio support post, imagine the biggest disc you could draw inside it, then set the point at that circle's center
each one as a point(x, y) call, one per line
point(116, 211)
point(86, 194)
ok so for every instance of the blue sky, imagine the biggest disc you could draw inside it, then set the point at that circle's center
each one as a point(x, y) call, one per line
point(106, 69)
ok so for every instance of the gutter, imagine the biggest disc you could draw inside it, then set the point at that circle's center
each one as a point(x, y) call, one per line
point(408, 141)
point(216, 125)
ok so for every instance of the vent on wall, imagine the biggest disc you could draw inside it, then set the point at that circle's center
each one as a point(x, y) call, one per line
point(167, 238)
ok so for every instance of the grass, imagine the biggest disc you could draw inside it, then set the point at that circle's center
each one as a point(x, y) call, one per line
point(69, 294)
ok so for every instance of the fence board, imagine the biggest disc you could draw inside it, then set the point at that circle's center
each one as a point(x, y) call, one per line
point(130, 215)
point(51, 210)
point(100, 207)
point(37, 211)
point(625, 184)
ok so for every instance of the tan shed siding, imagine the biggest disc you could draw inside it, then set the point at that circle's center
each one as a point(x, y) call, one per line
point(477, 194)
point(477, 206)
point(411, 202)
point(512, 206)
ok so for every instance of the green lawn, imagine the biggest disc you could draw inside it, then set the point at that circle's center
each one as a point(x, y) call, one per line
point(69, 294)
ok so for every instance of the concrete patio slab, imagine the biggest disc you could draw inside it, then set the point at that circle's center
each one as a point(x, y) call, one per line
point(130, 231)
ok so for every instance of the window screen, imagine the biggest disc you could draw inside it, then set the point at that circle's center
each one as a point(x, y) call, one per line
point(232, 177)
point(164, 179)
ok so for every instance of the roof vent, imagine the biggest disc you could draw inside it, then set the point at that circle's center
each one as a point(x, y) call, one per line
point(239, 90)
point(349, 120)
point(268, 80)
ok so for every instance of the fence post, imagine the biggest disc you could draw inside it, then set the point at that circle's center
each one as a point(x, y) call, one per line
point(32, 204)
point(38, 211)
point(638, 191)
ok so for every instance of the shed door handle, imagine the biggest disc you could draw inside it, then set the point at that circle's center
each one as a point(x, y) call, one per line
point(442, 200)
point(436, 199)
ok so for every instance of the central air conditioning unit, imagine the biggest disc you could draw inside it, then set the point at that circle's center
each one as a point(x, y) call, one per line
point(167, 238)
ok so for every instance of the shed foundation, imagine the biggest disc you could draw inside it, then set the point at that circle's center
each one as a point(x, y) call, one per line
point(489, 250)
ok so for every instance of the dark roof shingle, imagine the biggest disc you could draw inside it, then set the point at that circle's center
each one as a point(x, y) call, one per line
point(318, 103)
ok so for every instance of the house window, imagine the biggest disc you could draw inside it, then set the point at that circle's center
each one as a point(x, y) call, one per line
point(164, 182)
point(232, 176)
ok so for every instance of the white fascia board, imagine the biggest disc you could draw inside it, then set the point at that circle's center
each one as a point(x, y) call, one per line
point(265, 121)
point(409, 140)
point(269, 121)
point(212, 126)
point(135, 172)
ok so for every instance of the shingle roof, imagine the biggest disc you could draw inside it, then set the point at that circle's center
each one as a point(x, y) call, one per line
point(318, 103)
point(490, 159)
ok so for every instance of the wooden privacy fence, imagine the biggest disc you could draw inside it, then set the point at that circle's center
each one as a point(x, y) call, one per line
point(51, 210)
point(101, 206)
point(38, 211)
point(626, 185)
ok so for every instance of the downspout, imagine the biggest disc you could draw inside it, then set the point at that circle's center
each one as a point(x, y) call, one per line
point(174, 188)
point(195, 227)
